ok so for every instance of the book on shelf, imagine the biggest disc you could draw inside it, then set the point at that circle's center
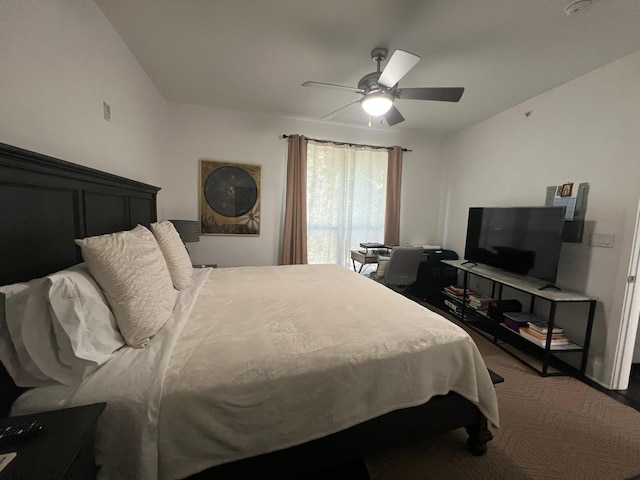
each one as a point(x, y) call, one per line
point(479, 302)
point(453, 290)
point(458, 291)
point(524, 332)
point(543, 336)
point(543, 327)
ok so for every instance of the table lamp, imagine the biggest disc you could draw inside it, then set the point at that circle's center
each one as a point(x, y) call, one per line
point(189, 230)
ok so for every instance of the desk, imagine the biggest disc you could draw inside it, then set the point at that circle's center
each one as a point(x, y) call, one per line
point(363, 259)
point(372, 257)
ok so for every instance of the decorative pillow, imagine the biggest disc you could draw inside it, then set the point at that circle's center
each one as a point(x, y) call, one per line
point(130, 269)
point(175, 253)
point(29, 324)
point(86, 324)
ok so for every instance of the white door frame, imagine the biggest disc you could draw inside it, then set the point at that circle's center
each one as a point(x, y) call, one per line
point(630, 317)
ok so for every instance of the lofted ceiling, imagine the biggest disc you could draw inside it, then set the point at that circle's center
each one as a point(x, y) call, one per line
point(253, 55)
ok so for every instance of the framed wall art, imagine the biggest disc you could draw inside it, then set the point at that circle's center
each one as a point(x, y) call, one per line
point(229, 198)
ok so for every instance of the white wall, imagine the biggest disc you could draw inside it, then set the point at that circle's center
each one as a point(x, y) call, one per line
point(197, 133)
point(60, 60)
point(584, 131)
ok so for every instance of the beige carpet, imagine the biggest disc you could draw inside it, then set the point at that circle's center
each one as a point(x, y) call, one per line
point(550, 428)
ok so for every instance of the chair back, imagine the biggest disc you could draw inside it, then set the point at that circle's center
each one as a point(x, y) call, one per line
point(402, 268)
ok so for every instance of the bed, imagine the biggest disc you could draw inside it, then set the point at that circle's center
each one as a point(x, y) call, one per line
point(259, 371)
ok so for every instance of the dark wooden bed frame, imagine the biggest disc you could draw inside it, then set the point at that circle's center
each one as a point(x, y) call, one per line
point(46, 203)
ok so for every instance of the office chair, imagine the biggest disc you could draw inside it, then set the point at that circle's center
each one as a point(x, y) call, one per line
point(401, 269)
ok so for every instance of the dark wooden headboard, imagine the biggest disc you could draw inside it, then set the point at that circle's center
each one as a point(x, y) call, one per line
point(45, 204)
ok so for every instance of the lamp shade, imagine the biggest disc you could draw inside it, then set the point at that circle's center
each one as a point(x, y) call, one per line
point(377, 104)
point(189, 230)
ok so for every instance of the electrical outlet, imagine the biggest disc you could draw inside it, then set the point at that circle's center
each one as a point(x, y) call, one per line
point(106, 111)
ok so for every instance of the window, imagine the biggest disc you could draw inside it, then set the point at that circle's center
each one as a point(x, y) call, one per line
point(346, 198)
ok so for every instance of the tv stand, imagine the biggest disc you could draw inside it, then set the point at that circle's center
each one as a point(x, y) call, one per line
point(510, 340)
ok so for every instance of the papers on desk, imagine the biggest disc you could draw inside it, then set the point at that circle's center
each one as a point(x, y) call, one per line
point(372, 245)
point(429, 247)
point(372, 249)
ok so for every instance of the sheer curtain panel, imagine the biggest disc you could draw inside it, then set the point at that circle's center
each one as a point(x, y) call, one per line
point(346, 200)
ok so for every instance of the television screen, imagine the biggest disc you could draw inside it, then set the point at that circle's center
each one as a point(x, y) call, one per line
point(524, 240)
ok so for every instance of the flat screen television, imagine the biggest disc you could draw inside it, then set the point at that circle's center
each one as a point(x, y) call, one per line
point(524, 240)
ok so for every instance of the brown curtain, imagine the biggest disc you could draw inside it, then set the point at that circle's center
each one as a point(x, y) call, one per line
point(394, 183)
point(294, 244)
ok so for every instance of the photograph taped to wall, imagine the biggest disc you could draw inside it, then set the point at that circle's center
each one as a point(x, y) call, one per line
point(229, 198)
point(566, 190)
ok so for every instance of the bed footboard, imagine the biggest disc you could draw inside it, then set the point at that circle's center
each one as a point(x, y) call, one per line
point(440, 414)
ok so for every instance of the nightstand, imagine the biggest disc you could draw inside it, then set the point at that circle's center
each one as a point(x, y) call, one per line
point(62, 450)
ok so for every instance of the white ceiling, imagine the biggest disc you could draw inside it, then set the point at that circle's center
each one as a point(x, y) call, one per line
point(253, 55)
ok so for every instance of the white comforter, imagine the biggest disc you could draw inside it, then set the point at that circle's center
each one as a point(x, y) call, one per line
point(264, 358)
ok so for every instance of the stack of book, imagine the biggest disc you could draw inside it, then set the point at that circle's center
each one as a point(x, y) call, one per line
point(537, 331)
point(458, 292)
point(454, 291)
point(478, 302)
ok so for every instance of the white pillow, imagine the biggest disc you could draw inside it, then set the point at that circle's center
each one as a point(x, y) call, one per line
point(175, 253)
point(29, 324)
point(83, 323)
point(130, 269)
point(8, 353)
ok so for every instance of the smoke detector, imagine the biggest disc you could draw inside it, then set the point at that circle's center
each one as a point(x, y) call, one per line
point(577, 7)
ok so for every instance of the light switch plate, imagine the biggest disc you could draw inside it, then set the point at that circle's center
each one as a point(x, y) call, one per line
point(602, 240)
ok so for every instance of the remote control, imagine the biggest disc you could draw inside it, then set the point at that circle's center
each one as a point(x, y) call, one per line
point(20, 431)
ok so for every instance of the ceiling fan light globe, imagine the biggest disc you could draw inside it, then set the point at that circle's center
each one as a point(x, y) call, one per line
point(376, 105)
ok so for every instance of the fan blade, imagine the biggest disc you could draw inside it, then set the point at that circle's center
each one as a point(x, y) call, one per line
point(444, 94)
point(393, 116)
point(398, 66)
point(332, 85)
point(331, 115)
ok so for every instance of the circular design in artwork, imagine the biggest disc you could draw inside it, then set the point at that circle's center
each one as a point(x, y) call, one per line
point(230, 191)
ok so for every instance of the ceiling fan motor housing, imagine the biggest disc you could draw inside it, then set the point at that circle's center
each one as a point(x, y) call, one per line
point(369, 83)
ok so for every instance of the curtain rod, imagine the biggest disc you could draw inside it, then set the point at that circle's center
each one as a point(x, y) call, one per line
point(284, 135)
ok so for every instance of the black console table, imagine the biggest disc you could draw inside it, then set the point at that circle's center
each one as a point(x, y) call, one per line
point(536, 291)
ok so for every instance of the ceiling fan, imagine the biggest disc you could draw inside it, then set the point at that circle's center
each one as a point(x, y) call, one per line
point(379, 89)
